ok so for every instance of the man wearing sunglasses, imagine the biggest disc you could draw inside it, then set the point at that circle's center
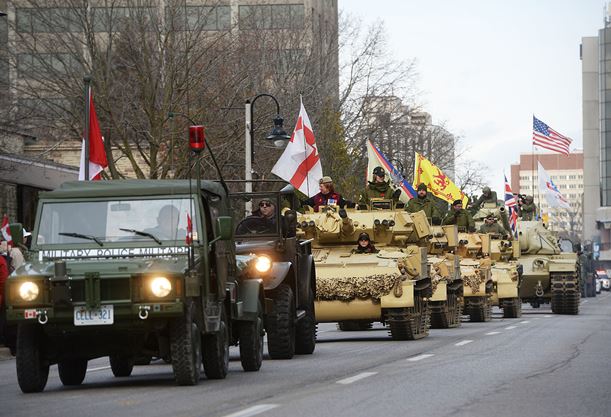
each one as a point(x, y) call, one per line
point(379, 188)
point(262, 220)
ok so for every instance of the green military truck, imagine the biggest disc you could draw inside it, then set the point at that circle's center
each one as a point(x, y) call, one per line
point(131, 269)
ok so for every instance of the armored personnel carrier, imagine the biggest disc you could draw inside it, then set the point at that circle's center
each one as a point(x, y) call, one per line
point(447, 283)
point(391, 286)
point(550, 275)
point(506, 269)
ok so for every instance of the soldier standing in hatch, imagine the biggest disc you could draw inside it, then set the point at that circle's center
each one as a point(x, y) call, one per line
point(423, 202)
point(491, 226)
point(379, 188)
point(488, 196)
point(460, 217)
point(528, 209)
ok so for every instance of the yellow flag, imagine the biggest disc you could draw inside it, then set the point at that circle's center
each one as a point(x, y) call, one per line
point(436, 181)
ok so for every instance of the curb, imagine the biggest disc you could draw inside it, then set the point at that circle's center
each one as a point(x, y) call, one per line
point(5, 354)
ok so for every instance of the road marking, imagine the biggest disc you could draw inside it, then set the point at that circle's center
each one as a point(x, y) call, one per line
point(420, 357)
point(492, 333)
point(463, 342)
point(101, 368)
point(355, 378)
point(510, 327)
point(524, 322)
point(254, 410)
point(547, 316)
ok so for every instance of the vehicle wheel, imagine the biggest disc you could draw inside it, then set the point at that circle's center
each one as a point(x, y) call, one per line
point(72, 371)
point(305, 332)
point(215, 349)
point(251, 344)
point(281, 324)
point(512, 308)
point(121, 365)
point(186, 348)
point(32, 366)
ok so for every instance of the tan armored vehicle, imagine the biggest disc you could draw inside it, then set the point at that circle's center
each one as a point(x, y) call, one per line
point(391, 286)
point(447, 283)
point(550, 275)
point(506, 268)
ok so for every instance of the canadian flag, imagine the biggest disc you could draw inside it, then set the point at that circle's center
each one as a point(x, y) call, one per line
point(299, 164)
point(97, 154)
point(6, 232)
point(189, 238)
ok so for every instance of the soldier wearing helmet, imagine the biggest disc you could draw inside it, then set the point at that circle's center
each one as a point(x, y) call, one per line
point(379, 187)
point(528, 209)
point(424, 202)
point(488, 196)
point(491, 226)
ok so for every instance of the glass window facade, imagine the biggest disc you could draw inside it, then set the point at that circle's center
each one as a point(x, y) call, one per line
point(272, 16)
point(35, 65)
point(605, 114)
point(200, 18)
point(50, 19)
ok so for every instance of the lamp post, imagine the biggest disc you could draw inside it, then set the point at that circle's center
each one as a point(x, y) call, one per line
point(277, 135)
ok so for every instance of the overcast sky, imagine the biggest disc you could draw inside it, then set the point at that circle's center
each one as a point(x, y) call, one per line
point(485, 66)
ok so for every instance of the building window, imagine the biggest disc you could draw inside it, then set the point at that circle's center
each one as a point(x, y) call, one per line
point(37, 107)
point(113, 19)
point(572, 185)
point(572, 177)
point(580, 177)
point(36, 65)
point(200, 17)
point(50, 20)
point(272, 16)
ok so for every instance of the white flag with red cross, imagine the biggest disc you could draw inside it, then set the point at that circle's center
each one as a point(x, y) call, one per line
point(6, 232)
point(300, 164)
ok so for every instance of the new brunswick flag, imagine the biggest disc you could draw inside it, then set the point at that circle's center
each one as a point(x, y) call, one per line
point(436, 181)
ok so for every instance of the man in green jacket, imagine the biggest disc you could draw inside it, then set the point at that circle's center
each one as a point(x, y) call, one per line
point(423, 202)
point(528, 209)
point(379, 188)
point(460, 217)
point(491, 226)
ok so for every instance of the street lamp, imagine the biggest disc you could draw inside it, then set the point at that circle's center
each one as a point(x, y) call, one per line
point(277, 135)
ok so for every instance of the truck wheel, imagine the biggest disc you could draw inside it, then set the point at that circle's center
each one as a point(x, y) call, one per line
point(72, 371)
point(32, 366)
point(121, 365)
point(215, 349)
point(305, 335)
point(251, 343)
point(186, 348)
point(281, 324)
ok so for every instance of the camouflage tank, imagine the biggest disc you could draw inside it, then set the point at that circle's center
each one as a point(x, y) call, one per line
point(476, 273)
point(447, 283)
point(550, 275)
point(391, 286)
point(506, 268)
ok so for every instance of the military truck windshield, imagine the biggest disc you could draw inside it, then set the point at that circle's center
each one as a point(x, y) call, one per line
point(156, 220)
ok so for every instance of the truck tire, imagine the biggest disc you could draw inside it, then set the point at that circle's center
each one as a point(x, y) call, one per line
point(32, 366)
point(305, 332)
point(186, 348)
point(281, 324)
point(121, 365)
point(215, 350)
point(72, 371)
point(251, 343)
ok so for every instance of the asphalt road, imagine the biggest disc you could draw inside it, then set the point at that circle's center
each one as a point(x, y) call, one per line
point(538, 365)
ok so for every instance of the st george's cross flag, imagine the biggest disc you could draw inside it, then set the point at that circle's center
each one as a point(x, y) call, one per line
point(300, 164)
point(97, 154)
point(5, 232)
point(512, 208)
point(546, 137)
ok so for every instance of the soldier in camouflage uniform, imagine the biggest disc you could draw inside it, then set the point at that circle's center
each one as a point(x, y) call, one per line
point(488, 196)
point(491, 226)
point(379, 188)
point(423, 202)
point(528, 209)
point(460, 217)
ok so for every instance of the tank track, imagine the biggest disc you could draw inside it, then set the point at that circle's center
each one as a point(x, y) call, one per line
point(354, 325)
point(446, 314)
point(479, 309)
point(565, 293)
point(512, 308)
point(409, 323)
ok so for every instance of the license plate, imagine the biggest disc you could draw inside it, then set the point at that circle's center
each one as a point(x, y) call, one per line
point(93, 317)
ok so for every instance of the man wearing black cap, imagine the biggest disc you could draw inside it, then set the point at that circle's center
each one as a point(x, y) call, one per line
point(379, 187)
point(423, 202)
point(460, 217)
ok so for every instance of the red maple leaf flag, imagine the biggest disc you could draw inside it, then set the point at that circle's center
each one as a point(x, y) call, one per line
point(97, 153)
point(299, 164)
point(189, 238)
point(5, 231)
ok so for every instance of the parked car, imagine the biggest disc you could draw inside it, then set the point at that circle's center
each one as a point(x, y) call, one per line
point(599, 286)
point(601, 275)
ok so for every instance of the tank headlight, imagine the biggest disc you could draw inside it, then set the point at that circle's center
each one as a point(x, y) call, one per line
point(28, 291)
point(161, 287)
point(263, 264)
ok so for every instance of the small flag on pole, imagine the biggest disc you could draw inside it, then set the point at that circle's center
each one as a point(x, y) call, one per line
point(97, 154)
point(512, 208)
point(546, 137)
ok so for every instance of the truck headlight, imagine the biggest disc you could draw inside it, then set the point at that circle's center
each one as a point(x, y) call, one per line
point(28, 291)
point(263, 264)
point(161, 287)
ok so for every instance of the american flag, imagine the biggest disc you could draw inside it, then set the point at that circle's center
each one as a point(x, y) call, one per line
point(546, 137)
point(512, 208)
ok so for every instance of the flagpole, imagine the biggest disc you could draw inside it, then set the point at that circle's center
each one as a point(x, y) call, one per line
point(87, 81)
